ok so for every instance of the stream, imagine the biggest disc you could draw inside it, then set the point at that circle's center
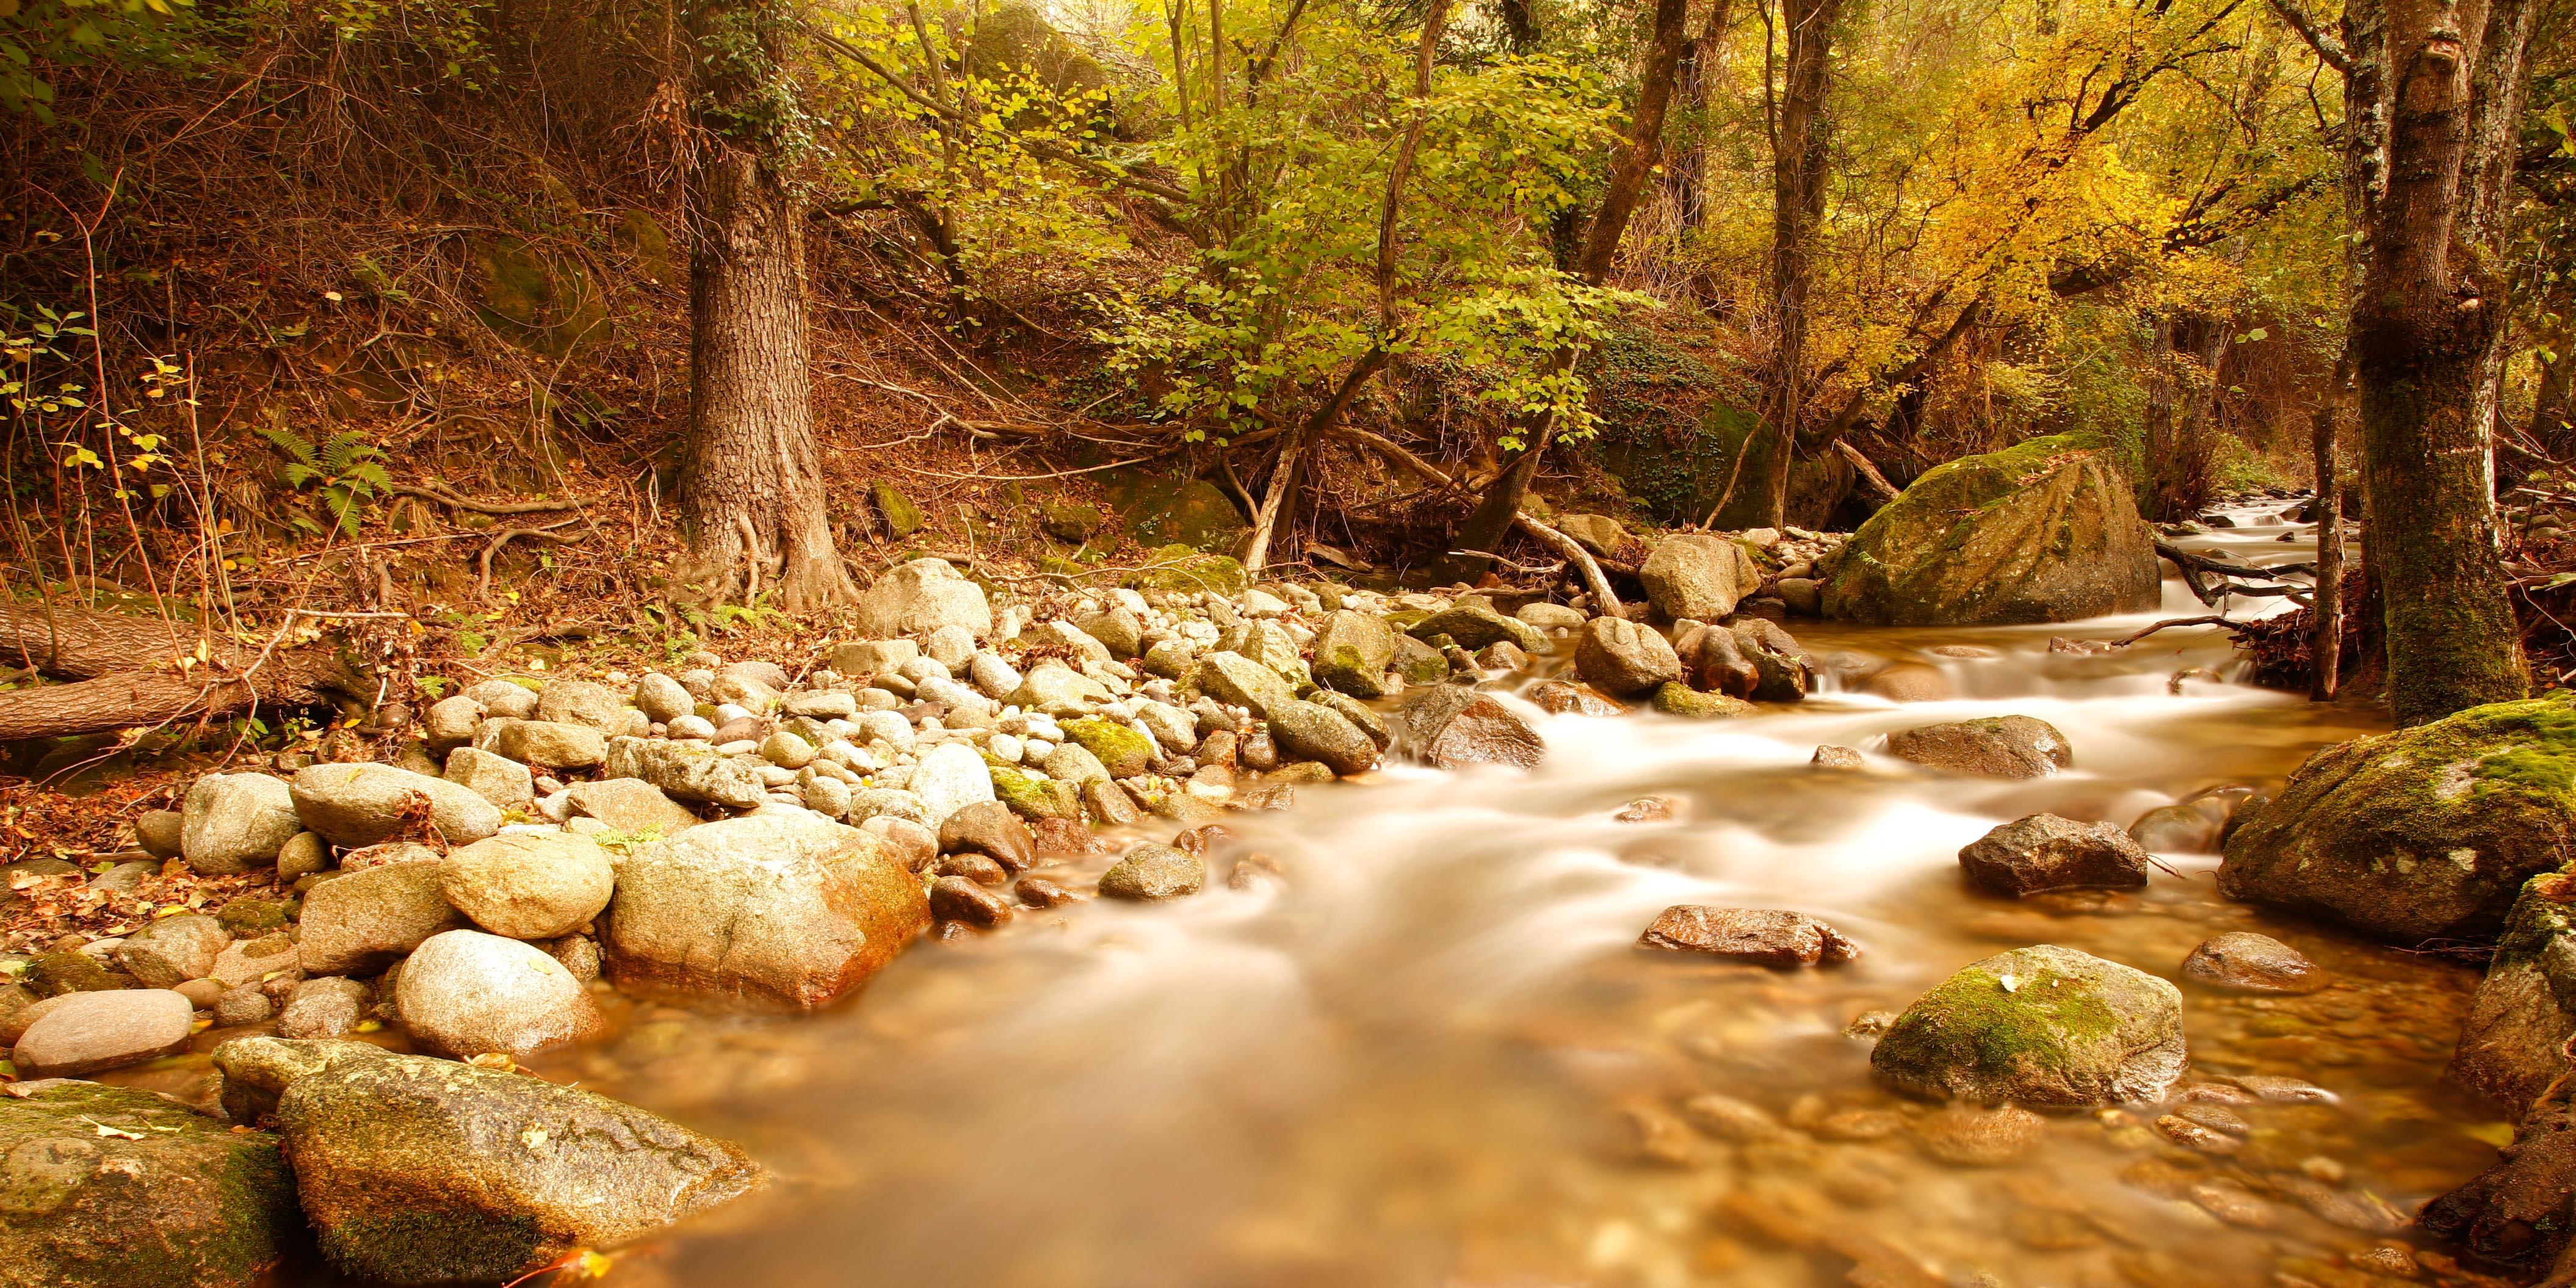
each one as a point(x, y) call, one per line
point(1427, 1052)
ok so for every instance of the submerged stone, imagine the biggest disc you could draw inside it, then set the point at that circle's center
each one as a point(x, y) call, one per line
point(2038, 1026)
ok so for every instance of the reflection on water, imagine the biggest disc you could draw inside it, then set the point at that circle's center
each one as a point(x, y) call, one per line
point(1429, 1055)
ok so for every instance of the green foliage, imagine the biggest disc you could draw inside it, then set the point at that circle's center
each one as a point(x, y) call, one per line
point(346, 470)
point(72, 33)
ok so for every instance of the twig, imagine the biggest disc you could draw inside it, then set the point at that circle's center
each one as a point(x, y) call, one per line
point(483, 565)
point(2212, 620)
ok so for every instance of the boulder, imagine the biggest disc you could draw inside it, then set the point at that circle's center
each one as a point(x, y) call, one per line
point(1237, 680)
point(361, 804)
point(169, 951)
point(1697, 576)
point(1994, 746)
point(2046, 852)
point(663, 699)
point(630, 807)
point(2043, 1026)
point(1474, 624)
point(2514, 1042)
point(959, 899)
point(1451, 726)
point(547, 743)
point(950, 777)
point(2252, 963)
point(1316, 732)
point(1679, 699)
point(235, 822)
point(2424, 833)
point(465, 993)
point(1622, 658)
point(116, 1187)
point(1352, 653)
point(1761, 936)
point(529, 885)
point(686, 773)
point(1782, 671)
point(84, 1033)
point(1153, 871)
point(1598, 533)
point(361, 922)
point(596, 707)
point(494, 777)
point(989, 828)
point(2522, 1211)
point(786, 907)
point(919, 597)
point(2047, 531)
point(420, 1171)
point(1122, 751)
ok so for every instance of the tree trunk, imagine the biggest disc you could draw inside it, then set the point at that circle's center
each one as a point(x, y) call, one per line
point(1798, 159)
point(129, 678)
point(2328, 513)
point(2553, 403)
point(752, 496)
point(2160, 423)
point(1702, 63)
point(2424, 328)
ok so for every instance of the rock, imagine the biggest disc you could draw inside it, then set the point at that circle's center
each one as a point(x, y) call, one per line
point(235, 822)
point(361, 804)
point(873, 657)
point(302, 856)
point(1071, 523)
point(116, 1187)
point(1361, 715)
point(1995, 746)
point(1474, 625)
point(504, 698)
point(1038, 892)
point(2047, 531)
point(249, 961)
point(1352, 653)
point(630, 807)
point(1071, 762)
point(361, 922)
point(1730, 1119)
point(169, 951)
point(959, 899)
point(1598, 533)
point(1558, 698)
point(494, 777)
point(1152, 871)
point(465, 993)
point(2513, 1043)
point(950, 777)
point(1193, 514)
point(822, 705)
point(1713, 657)
point(919, 597)
point(2044, 1026)
point(161, 833)
point(450, 722)
point(1782, 671)
point(1237, 680)
point(686, 773)
point(1551, 617)
point(548, 744)
point(2252, 963)
point(1698, 576)
point(1763, 937)
point(596, 707)
point(1269, 644)
point(2188, 828)
point(991, 676)
point(1057, 689)
point(1623, 659)
point(1829, 756)
point(1032, 797)
point(238, 1006)
point(323, 1008)
point(1118, 631)
point(1679, 699)
point(1450, 726)
point(973, 867)
point(1318, 732)
point(1124, 752)
point(786, 750)
point(1805, 596)
point(663, 699)
point(2046, 852)
point(54, 974)
point(1974, 1137)
point(1910, 682)
point(418, 1171)
point(787, 907)
point(84, 1033)
point(989, 828)
point(2424, 833)
point(529, 885)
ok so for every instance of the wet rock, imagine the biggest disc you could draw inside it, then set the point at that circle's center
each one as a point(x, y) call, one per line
point(323, 1008)
point(630, 807)
point(1782, 670)
point(1763, 937)
point(361, 922)
point(420, 1171)
point(530, 885)
point(361, 804)
point(2514, 1041)
point(2195, 1137)
point(919, 597)
point(1906, 682)
point(115, 1187)
point(957, 898)
point(990, 829)
point(235, 822)
point(1645, 809)
point(1995, 746)
point(2047, 531)
point(1239, 681)
point(1473, 624)
point(2046, 852)
point(1152, 871)
point(1969, 1136)
point(1361, 715)
point(170, 951)
point(1551, 617)
point(2252, 963)
point(2522, 1211)
point(1039, 892)
point(2045, 1026)
point(1730, 1119)
point(1317, 732)
point(83, 1033)
point(1419, 663)
point(1829, 756)
point(1621, 658)
point(240, 1006)
point(465, 993)
point(2187, 828)
point(787, 907)
point(2424, 833)
point(1451, 726)
point(1714, 658)
point(1558, 698)
point(1678, 699)
point(1697, 576)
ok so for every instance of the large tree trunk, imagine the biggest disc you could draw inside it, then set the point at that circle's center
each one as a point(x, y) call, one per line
point(752, 496)
point(1798, 174)
point(2425, 323)
point(2328, 513)
point(129, 674)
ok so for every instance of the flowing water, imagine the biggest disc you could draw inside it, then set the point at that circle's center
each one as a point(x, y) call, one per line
point(1428, 1052)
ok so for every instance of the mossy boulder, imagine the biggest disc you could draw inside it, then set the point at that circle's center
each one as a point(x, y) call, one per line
point(1675, 698)
point(2514, 1042)
point(1352, 653)
point(1032, 797)
point(2421, 834)
point(1124, 752)
point(902, 517)
point(1179, 567)
point(114, 1187)
point(539, 299)
point(2038, 1026)
point(1166, 511)
point(2044, 532)
point(1071, 523)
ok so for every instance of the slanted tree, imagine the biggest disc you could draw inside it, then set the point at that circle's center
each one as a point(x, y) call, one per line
point(752, 491)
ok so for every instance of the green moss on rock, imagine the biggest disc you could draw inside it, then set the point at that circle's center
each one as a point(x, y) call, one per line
point(2039, 1026)
point(1177, 567)
point(1124, 752)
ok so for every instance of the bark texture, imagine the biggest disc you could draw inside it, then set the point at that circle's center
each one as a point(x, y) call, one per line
point(1798, 173)
point(753, 492)
point(127, 674)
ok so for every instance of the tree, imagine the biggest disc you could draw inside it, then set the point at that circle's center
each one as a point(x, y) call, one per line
point(752, 494)
point(2426, 320)
point(1800, 135)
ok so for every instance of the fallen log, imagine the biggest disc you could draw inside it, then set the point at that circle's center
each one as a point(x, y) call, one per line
point(136, 671)
point(1872, 484)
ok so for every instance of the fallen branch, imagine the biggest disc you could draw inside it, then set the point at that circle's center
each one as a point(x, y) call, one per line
point(1594, 580)
point(1872, 482)
point(127, 674)
point(433, 492)
point(483, 565)
point(2212, 620)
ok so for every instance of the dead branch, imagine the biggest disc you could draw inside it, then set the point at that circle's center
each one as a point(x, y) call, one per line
point(1872, 482)
point(451, 500)
point(127, 675)
point(1594, 580)
point(2211, 620)
point(483, 565)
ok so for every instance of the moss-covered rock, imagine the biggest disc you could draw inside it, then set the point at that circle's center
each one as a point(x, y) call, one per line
point(1164, 511)
point(1352, 653)
point(1419, 663)
point(54, 974)
point(1072, 523)
point(2044, 532)
point(113, 1187)
point(536, 298)
point(1177, 567)
point(902, 517)
point(1032, 797)
point(2425, 833)
point(2514, 1043)
point(1124, 752)
point(2040, 1026)
point(1675, 698)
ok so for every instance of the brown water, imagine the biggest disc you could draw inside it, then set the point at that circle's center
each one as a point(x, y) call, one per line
point(1429, 1054)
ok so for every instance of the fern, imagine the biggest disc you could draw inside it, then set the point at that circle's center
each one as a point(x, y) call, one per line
point(348, 469)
